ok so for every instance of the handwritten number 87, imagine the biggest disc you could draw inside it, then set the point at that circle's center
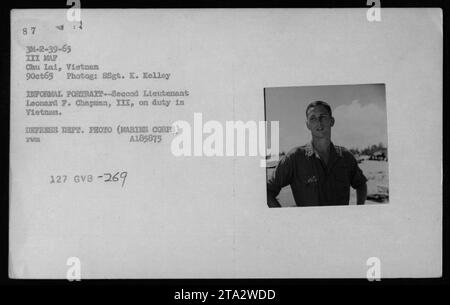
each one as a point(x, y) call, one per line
point(32, 30)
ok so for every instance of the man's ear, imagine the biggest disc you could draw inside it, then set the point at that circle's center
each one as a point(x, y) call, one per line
point(307, 124)
point(332, 121)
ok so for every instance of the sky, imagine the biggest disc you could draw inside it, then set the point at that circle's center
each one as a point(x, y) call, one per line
point(359, 112)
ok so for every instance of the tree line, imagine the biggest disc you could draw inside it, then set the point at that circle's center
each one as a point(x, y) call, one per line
point(369, 150)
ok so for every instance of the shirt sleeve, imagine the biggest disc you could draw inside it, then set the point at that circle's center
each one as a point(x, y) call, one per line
point(357, 177)
point(282, 175)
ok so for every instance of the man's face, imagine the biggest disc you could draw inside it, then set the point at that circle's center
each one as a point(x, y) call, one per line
point(319, 122)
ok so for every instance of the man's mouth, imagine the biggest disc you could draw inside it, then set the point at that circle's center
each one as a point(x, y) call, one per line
point(319, 128)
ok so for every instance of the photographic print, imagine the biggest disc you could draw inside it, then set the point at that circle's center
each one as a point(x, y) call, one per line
point(333, 145)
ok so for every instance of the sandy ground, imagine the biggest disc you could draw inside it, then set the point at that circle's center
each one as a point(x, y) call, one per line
point(376, 173)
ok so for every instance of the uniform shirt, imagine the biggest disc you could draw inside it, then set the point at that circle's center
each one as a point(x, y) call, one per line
point(314, 183)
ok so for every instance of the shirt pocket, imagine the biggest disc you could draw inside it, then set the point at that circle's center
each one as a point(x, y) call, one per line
point(309, 189)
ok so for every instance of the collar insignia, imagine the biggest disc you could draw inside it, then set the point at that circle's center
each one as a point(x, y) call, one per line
point(310, 151)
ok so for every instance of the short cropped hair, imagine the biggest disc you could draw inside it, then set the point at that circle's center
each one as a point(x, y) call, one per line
point(318, 103)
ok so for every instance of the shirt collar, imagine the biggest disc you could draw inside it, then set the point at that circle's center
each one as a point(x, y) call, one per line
point(310, 151)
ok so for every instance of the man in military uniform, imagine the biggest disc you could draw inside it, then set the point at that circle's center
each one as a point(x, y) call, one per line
point(319, 172)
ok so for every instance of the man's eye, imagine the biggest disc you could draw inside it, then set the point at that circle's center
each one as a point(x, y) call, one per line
point(322, 118)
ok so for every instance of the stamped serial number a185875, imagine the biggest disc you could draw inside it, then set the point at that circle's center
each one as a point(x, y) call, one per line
point(114, 177)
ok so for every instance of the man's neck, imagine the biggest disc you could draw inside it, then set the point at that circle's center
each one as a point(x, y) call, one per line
point(322, 145)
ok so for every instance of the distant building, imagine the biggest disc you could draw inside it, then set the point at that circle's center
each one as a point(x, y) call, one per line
point(380, 155)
